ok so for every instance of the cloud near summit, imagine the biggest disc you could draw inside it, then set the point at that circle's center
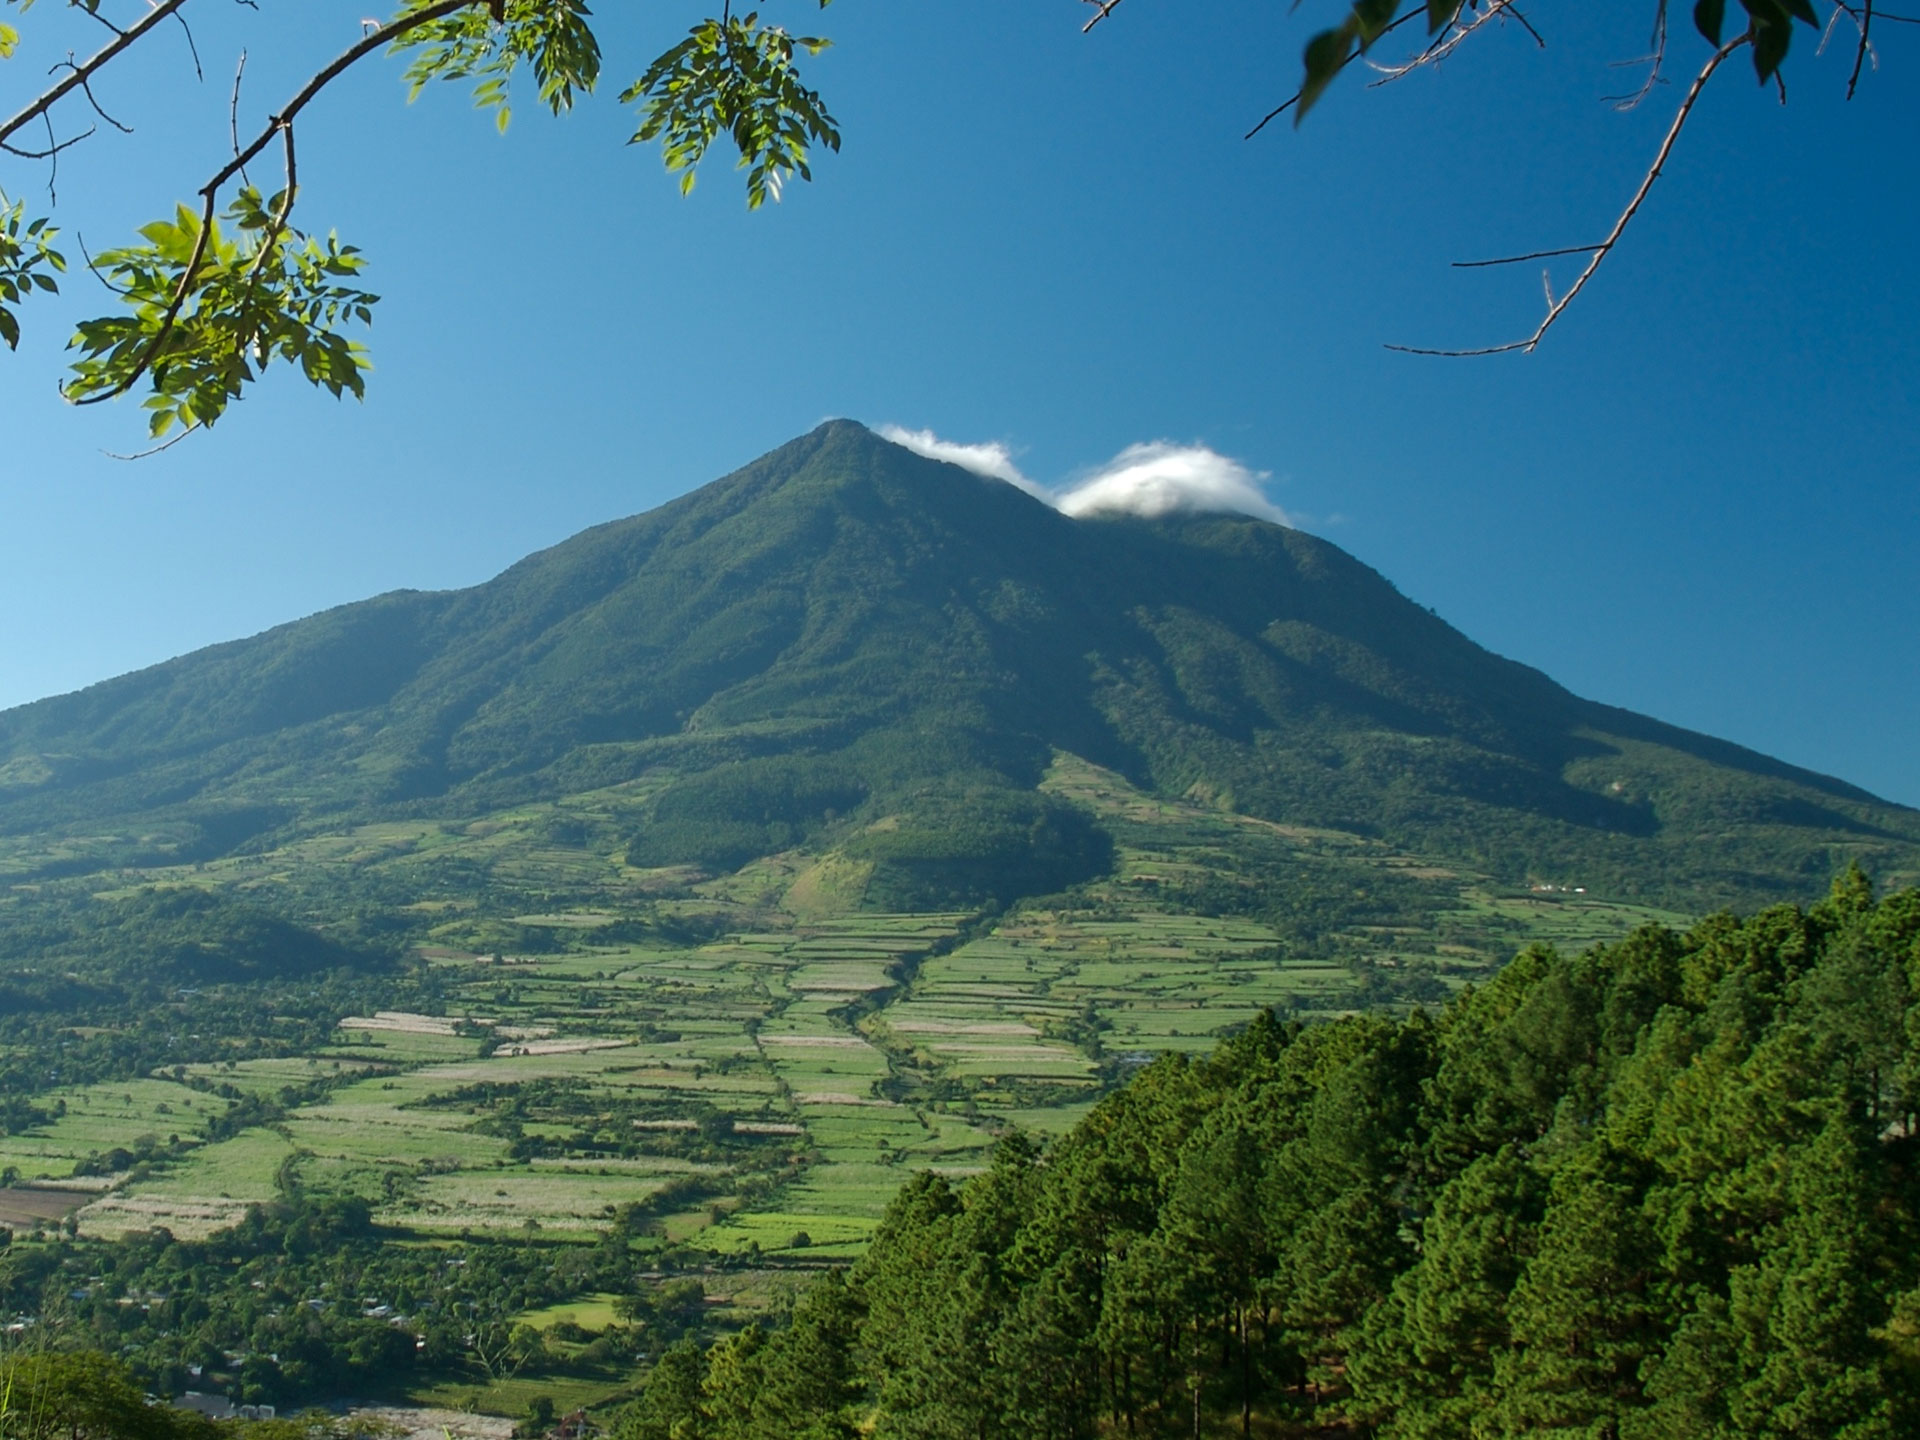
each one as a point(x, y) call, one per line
point(992, 459)
point(1151, 479)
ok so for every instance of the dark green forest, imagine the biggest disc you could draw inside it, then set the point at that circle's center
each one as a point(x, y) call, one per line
point(1663, 1188)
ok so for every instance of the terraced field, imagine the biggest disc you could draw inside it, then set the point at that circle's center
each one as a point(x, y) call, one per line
point(763, 1085)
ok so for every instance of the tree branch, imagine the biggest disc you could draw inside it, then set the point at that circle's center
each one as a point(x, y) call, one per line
point(153, 450)
point(82, 73)
point(281, 123)
point(1655, 60)
point(192, 48)
point(1451, 38)
point(53, 161)
point(167, 321)
point(1557, 308)
point(1521, 259)
point(1865, 21)
point(233, 109)
point(93, 14)
point(1294, 99)
point(280, 217)
point(364, 47)
point(94, 270)
point(87, 90)
point(54, 147)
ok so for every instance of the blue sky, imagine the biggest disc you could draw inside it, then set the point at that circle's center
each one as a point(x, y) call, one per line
point(1698, 500)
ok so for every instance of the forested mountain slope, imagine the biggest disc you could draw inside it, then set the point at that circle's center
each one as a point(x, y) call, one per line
point(844, 632)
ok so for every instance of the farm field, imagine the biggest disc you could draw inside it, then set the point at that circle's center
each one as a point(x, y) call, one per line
point(31, 1206)
point(749, 1066)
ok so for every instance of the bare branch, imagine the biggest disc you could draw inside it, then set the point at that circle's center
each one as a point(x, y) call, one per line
point(53, 161)
point(87, 256)
point(1557, 308)
point(1865, 51)
point(365, 46)
point(1294, 99)
point(192, 48)
point(1655, 60)
point(233, 110)
point(279, 224)
point(1847, 8)
point(1450, 39)
point(96, 15)
point(1863, 22)
point(87, 90)
point(82, 73)
point(1106, 8)
point(1527, 25)
point(54, 147)
point(155, 450)
point(1530, 255)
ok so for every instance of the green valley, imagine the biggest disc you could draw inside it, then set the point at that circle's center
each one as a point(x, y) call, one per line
point(470, 996)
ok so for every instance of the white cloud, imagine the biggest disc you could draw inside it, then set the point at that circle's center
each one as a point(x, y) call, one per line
point(992, 459)
point(1156, 478)
point(1159, 478)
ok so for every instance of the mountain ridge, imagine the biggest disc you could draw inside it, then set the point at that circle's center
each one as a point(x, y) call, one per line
point(846, 607)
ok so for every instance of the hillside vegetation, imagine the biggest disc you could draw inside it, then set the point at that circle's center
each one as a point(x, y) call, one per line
point(845, 633)
point(473, 997)
point(1663, 1188)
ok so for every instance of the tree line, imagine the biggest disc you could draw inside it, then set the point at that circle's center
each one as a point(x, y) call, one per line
point(306, 1300)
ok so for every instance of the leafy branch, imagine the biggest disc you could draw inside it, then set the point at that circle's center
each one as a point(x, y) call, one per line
point(736, 76)
point(267, 293)
point(199, 367)
point(206, 308)
point(26, 258)
point(490, 44)
point(1767, 35)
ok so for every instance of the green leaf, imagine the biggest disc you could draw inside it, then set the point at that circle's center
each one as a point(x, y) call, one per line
point(1770, 43)
point(9, 41)
point(1440, 14)
point(1325, 56)
point(1710, 18)
point(1772, 28)
point(1373, 17)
